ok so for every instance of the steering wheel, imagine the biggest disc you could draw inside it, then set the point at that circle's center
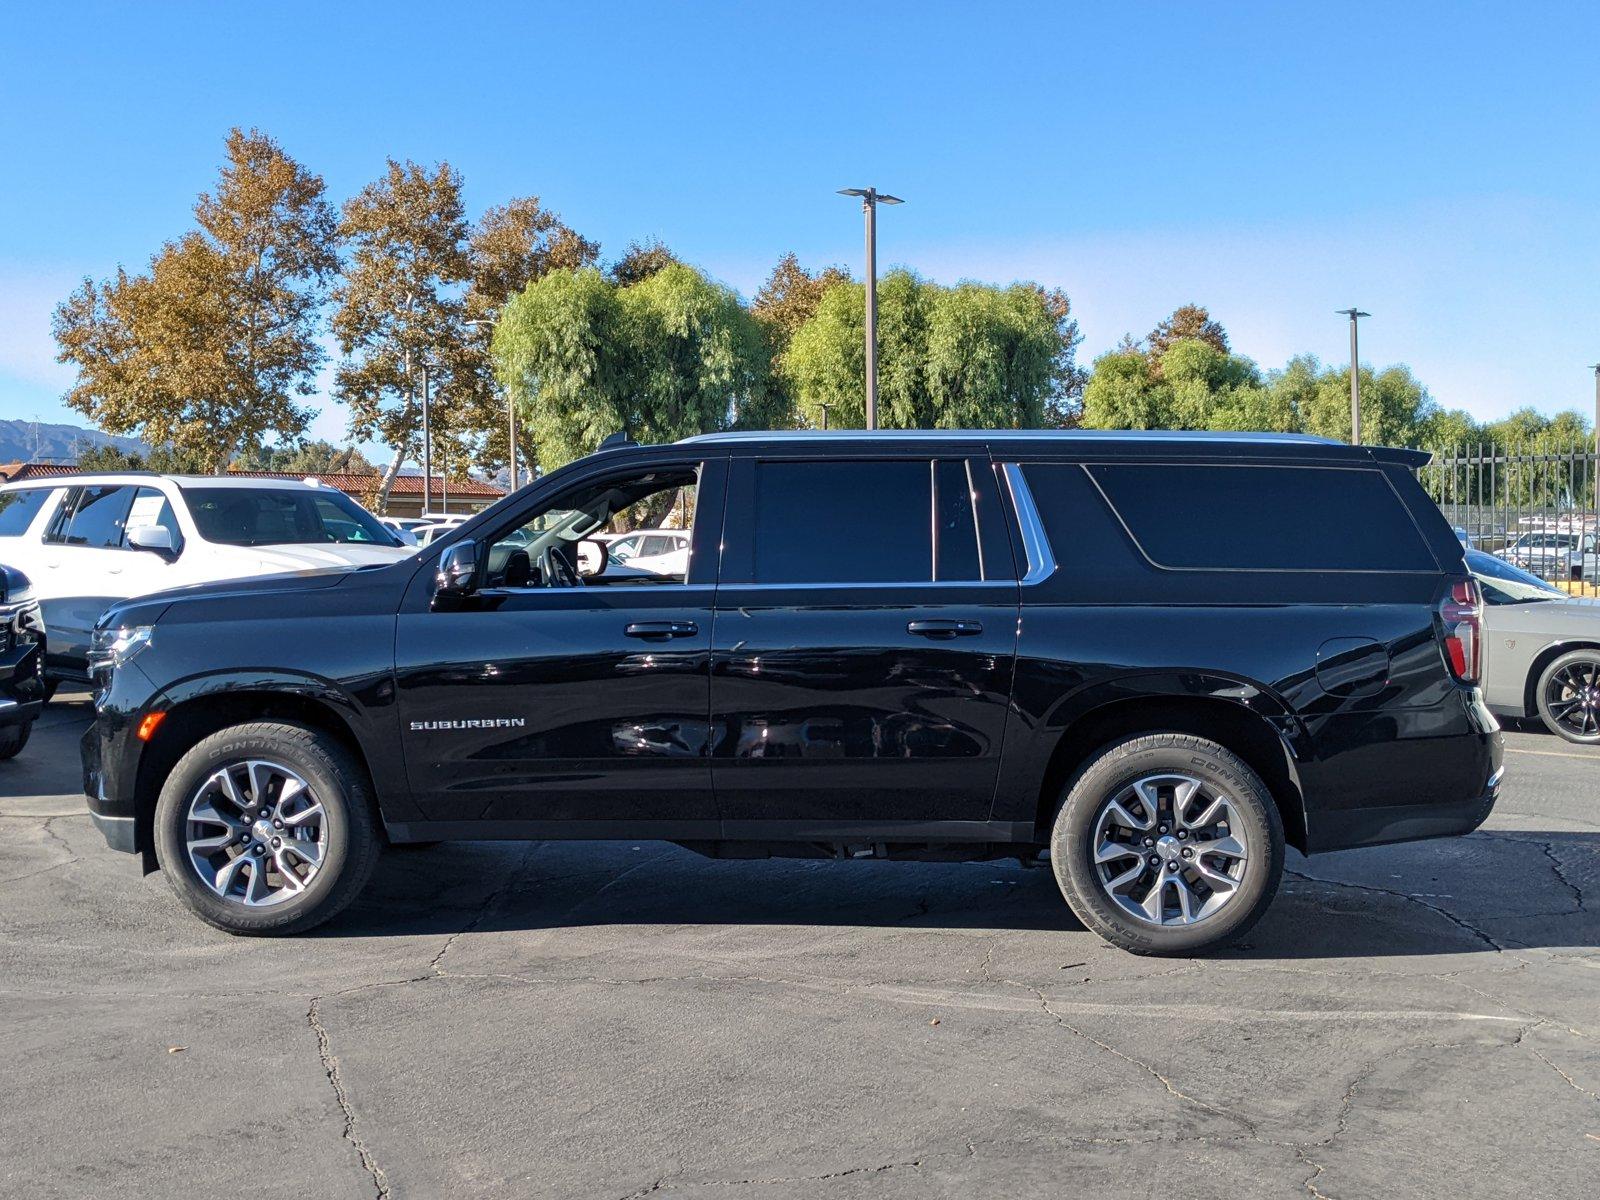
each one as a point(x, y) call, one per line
point(555, 570)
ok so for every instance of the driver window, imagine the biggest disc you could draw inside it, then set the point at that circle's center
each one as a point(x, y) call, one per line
point(592, 535)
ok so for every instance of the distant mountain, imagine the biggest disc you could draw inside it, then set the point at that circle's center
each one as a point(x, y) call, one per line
point(29, 441)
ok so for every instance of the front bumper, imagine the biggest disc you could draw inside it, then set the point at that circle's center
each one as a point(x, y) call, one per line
point(21, 681)
point(110, 752)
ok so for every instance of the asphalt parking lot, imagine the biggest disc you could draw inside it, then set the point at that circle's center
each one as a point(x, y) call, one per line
point(616, 1020)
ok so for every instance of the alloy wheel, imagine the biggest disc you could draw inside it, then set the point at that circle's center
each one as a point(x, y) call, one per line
point(1169, 849)
point(255, 833)
point(1572, 698)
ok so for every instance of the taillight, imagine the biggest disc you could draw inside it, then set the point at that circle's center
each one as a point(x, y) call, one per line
point(1461, 618)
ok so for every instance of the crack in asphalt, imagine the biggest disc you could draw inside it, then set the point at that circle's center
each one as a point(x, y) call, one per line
point(1548, 850)
point(1383, 891)
point(330, 1064)
point(52, 835)
point(513, 875)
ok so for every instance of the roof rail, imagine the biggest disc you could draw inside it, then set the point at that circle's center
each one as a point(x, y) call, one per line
point(617, 441)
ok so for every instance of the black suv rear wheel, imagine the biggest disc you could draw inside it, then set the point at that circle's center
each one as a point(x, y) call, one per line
point(266, 828)
point(1168, 844)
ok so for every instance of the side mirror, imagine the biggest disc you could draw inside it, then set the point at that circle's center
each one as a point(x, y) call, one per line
point(592, 558)
point(155, 538)
point(458, 571)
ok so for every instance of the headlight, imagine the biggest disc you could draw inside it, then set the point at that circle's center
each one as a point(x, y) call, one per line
point(111, 647)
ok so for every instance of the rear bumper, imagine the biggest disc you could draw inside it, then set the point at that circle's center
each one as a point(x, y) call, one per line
point(1422, 773)
point(1404, 822)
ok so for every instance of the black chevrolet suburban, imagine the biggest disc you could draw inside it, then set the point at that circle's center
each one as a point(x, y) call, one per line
point(1158, 658)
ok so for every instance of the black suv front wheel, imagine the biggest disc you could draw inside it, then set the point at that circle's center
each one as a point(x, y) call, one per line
point(1168, 844)
point(266, 828)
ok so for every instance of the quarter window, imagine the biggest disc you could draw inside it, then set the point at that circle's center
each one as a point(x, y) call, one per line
point(18, 509)
point(1265, 518)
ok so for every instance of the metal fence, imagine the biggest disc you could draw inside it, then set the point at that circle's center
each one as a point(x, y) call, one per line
point(1537, 508)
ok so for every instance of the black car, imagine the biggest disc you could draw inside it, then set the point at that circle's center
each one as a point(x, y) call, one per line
point(22, 646)
point(1158, 657)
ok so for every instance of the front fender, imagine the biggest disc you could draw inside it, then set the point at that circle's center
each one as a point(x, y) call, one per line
point(364, 708)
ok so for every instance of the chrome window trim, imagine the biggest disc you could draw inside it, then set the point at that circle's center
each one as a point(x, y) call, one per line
point(1035, 545)
point(996, 584)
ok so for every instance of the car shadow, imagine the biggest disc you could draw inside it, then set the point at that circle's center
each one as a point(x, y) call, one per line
point(1500, 890)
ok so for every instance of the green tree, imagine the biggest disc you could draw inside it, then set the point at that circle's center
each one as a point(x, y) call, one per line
point(1395, 408)
point(511, 246)
point(670, 356)
point(399, 306)
point(963, 356)
point(308, 458)
point(700, 359)
point(209, 350)
point(1194, 385)
point(165, 460)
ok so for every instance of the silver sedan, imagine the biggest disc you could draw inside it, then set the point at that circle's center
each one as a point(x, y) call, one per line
point(1541, 650)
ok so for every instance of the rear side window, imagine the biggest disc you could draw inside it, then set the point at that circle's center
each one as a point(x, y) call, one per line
point(1190, 517)
point(18, 509)
point(94, 518)
point(843, 522)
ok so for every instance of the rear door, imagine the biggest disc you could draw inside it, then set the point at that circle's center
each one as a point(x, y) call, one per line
point(864, 644)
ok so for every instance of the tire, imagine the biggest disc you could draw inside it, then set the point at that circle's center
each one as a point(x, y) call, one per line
point(13, 738)
point(1568, 696)
point(1244, 846)
point(311, 783)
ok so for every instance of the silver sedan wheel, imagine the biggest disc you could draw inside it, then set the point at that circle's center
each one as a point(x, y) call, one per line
point(255, 833)
point(1170, 850)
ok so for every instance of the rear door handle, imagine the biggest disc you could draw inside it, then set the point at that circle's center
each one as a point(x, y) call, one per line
point(944, 629)
point(662, 629)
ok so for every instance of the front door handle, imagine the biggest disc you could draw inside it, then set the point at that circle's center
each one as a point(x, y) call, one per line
point(662, 629)
point(944, 629)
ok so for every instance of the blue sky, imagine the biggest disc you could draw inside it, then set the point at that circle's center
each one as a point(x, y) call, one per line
point(1436, 164)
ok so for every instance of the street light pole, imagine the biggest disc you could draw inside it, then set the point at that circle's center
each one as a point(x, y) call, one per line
point(870, 199)
point(1597, 416)
point(1354, 314)
point(427, 443)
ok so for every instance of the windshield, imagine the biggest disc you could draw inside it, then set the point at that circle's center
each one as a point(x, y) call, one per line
point(1503, 583)
point(238, 516)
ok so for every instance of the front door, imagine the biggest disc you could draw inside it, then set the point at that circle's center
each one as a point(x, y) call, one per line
point(555, 702)
point(864, 650)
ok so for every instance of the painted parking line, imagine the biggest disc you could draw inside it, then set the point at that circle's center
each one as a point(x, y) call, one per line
point(1553, 754)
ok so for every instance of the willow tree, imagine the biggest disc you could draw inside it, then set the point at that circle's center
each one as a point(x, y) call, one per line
point(968, 356)
point(672, 355)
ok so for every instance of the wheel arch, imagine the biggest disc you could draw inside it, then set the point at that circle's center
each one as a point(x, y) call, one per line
point(1261, 742)
point(1541, 661)
point(202, 711)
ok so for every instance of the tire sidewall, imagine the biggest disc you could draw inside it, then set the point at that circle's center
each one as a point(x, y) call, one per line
point(1123, 763)
point(1543, 704)
point(291, 746)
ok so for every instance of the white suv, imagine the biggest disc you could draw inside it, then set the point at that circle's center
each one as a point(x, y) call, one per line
point(89, 540)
